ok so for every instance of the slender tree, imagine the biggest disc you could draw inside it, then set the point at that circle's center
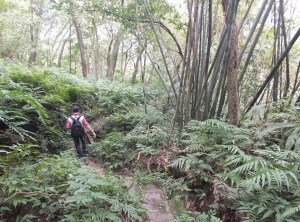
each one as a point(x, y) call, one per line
point(34, 34)
point(95, 47)
point(80, 41)
point(111, 66)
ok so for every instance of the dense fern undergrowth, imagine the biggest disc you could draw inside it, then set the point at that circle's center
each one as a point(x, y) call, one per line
point(211, 171)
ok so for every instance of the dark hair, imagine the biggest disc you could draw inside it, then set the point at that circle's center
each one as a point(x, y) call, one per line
point(75, 109)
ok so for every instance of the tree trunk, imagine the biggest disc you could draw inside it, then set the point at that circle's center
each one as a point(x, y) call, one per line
point(108, 60)
point(150, 76)
point(96, 49)
point(80, 43)
point(136, 64)
point(61, 53)
point(33, 37)
point(114, 54)
point(160, 49)
point(136, 69)
point(56, 45)
point(232, 66)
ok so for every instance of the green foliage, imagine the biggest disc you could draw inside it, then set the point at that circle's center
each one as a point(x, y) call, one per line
point(196, 167)
point(51, 93)
point(196, 216)
point(65, 88)
point(267, 180)
point(17, 154)
point(159, 9)
point(263, 176)
point(134, 118)
point(267, 176)
point(111, 150)
point(57, 187)
point(4, 5)
point(23, 116)
point(119, 97)
point(278, 122)
point(207, 144)
point(142, 137)
point(127, 135)
point(117, 149)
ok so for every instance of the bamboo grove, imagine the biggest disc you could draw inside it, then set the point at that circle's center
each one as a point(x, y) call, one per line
point(211, 81)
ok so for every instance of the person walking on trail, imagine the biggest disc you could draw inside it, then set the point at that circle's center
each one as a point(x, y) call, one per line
point(76, 123)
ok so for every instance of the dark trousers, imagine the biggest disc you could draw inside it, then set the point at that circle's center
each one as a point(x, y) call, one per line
point(81, 151)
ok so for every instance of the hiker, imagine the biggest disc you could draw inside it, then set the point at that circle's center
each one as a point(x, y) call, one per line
point(77, 123)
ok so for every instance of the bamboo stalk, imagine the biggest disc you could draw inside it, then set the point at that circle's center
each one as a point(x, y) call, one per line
point(217, 60)
point(194, 51)
point(271, 75)
point(296, 85)
point(186, 68)
point(276, 56)
point(245, 16)
point(160, 47)
point(259, 14)
point(256, 40)
point(287, 77)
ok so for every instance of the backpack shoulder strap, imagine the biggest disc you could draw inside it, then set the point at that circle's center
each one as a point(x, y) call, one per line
point(80, 119)
point(73, 118)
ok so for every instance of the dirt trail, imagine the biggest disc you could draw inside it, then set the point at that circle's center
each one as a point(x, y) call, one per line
point(159, 209)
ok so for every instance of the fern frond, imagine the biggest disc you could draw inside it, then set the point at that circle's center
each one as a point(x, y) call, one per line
point(252, 163)
point(292, 139)
point(282, 158)
point(271, 177)
point(191, 163)
point(233, 149)
point(272, 127)
point(147, 149)
point(183, 162)
point(233, 160)
point(289, 212)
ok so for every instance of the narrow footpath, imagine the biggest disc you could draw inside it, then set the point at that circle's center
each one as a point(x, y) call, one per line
point(159, 209)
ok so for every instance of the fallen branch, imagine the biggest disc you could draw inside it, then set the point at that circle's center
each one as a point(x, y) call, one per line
point(90, 138)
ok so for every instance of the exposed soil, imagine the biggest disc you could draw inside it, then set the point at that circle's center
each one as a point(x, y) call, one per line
point(96, 166)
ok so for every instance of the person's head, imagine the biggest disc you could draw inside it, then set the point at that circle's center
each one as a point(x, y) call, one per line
point(75, 109)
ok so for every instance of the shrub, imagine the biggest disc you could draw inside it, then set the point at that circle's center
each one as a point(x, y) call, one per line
point(56, 188)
